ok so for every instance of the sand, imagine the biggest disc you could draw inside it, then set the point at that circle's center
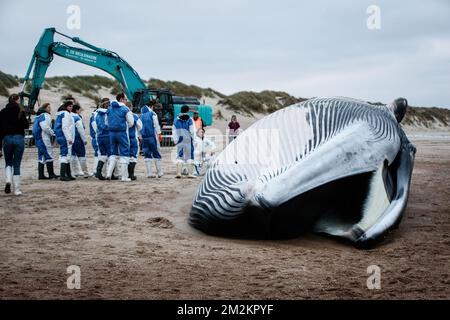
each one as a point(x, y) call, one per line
point(132, 241)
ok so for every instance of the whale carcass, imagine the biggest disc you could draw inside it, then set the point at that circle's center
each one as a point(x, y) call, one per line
point(335, 166)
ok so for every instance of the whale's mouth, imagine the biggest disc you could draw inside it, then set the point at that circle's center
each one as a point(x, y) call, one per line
point(341, 200)
point(338, 204)
point(338, 208)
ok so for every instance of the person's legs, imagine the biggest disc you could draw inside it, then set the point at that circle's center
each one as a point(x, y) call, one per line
point(114, 151)
point(47, 150)
point(180, 160)
point(48, 158)
point(69, 157)
point(159, 169)
point(103, 153)
point(41, 158)
point(81, 154)
point(94, 166)
point(8, 150)
point(186, 153)
point(148, 157)
point(40, 150)
point(110, 155)
point(63, 159)
point(8, 153)
point(116, 172)
point(74, 159)
point(156, 155)
point(84, 168)
point(19, 147)
point(94, 144)
point(74, 165)
point(134, 153)
point(186, 157)
point(190, 160)
point(134, 150)
point(124, 150)
point(112, 161)
point(124, 161)
point(51, 170)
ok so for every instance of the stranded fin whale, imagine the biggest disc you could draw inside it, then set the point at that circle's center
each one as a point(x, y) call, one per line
point(334, 166)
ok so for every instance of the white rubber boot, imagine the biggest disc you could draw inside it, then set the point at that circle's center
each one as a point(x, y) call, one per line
point(117, 170)
point(179, 168)
point(8, 174)
point(124, 169)
point(84, 168)
point(105, 167)
point(159, 170)
point(94, 168)
point(16, 185)
point(149, 167)
point(191, 169)
point(75, 167)
point(111, 165)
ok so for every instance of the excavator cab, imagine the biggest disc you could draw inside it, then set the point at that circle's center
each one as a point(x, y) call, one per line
point(164, 108)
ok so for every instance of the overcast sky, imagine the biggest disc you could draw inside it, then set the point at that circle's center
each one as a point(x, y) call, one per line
point(307, 48)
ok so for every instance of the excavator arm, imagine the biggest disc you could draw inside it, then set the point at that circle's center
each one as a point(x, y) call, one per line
point(102, 59)
point(99, 58)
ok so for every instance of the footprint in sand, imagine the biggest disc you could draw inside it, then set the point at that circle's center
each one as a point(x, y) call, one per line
point(160, 222)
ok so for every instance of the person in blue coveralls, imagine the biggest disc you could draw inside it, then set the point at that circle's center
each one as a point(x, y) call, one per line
point(134, 133)
point(78, 148)
point(151, 139)
point(43, 133)
point(119, 119)
point(94, 143)
point(183, 134)
point(65, 136)
point(102, 137)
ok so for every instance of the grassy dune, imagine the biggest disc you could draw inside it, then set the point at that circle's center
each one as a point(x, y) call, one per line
point(244, 102)
point(6, 82)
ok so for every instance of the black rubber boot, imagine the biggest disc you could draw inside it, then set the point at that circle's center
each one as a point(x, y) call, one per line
point(51, 172)
point(41, 168)
point(131, 167)
point(98, 173)
point(69, 172)
point(63, 172)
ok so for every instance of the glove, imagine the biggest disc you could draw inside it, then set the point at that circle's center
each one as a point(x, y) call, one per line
point(160, 137)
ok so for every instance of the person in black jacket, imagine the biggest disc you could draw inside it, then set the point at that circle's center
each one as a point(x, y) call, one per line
point(13, 123)
point(1, 144)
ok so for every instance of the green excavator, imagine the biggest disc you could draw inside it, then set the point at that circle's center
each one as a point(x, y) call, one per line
point(110, 62)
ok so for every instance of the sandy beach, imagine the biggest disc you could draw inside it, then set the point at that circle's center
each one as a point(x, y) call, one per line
point(132, 241)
